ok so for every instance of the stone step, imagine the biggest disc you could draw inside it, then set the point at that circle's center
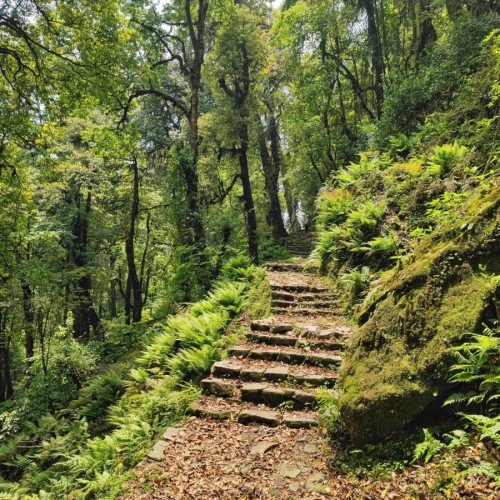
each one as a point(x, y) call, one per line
point(303, 297)
point(300, 267)
point(264, 393)
point(248, 413)
point(317, 304)
point(292, 341)
point(298, 287)
point(340, 334)
point(291, 356)
point(258, 371)
point(270, 325)
point(304, 311)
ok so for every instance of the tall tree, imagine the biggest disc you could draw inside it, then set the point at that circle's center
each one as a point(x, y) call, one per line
point(235, 63)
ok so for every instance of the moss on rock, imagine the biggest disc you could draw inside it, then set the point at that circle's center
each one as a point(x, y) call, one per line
point(397, 364)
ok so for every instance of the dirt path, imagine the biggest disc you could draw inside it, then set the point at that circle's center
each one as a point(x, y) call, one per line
point(254, 433)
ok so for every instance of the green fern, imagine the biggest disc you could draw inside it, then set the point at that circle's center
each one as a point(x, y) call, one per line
point(386, 245)
point(457, 438)
point(477, 363)
point(488, 426)
point(192, 363)
point(445, 158)
point(484, 468)
point(427, 449)
point(366, 216)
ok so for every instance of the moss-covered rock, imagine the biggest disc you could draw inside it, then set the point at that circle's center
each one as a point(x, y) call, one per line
point(398, 362)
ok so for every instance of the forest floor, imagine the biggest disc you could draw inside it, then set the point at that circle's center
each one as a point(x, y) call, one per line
point(254, 434)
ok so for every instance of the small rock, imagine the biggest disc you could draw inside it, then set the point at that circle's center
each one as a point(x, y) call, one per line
point(246, 469)
point(172, 434)
point(158, 451)
point(239, 351)
point(228, 368)
point(288, 470)
point(202, 411)
point(294, 487)
point(314, 483)
point(304, 468)
point(274, 396)
point(300, 422)
point(263, 447)
point(325, 335)
point(304, 397)
point(310, 448)
point(309, 330)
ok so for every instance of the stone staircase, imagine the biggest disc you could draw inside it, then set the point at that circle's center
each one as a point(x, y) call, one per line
point(273, 378)
point(300, 243)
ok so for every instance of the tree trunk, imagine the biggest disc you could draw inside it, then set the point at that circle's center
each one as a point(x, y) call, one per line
point(85, 315)
point(6, 388)
point(424, 29)
point(377, 55)
point(29, 320)
point(197, 37)
point(133, 281)
point(113, 313)
point(253, 248)
point(271, 178)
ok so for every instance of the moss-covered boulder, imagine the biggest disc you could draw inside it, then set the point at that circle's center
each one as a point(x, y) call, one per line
point(397, 365)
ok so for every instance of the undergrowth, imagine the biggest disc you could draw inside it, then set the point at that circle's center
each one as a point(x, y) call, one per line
point(89, 449)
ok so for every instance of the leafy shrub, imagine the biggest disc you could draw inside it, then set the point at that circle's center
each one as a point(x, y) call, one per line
point(65, 459)
point(369, 162)
point(401, 144)
point(366, 216)
point(445, 158)
point(478, 365)
point(358, 281)
point(95, 398)
point(333, 208)
point(270, 251)
point(329, 413)
point(386, 245)
point(237, 268)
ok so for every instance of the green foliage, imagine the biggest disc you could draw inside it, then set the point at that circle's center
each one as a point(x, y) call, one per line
point(358, 282)
point(386, 245)
point(489, 427)
point(237, 268)
point(401, 144)
point(445, 158)
point(156, 394)
point(428, 448)
point(95, 398)
point(193, 363)
point(271, 251)
point(379, 461)
point(477, 363)
point(329, 413)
